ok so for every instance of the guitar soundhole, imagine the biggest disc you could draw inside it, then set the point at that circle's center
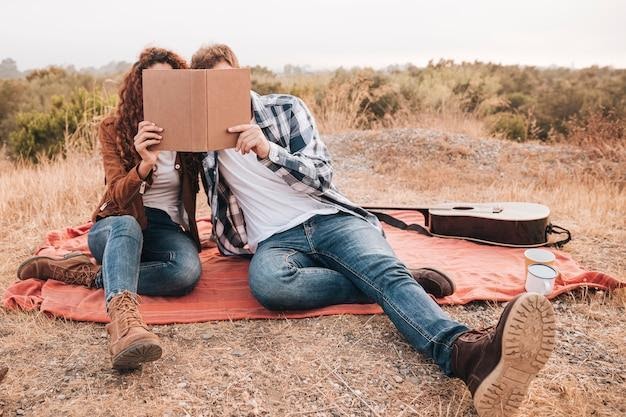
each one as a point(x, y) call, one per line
point(462, 208)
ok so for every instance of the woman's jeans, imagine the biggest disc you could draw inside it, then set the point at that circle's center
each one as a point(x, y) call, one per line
point(161, 260)
point(340, 258)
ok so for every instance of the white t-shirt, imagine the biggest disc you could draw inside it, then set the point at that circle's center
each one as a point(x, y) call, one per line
point(164, 193)
point(269, 204)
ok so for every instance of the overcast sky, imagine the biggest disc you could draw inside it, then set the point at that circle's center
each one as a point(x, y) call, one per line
point(319, 33)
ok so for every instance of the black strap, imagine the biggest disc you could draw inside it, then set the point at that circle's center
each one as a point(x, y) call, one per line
point(395, 222)
point(558, 230)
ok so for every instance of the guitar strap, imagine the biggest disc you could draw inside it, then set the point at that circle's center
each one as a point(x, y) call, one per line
point(558, 230)
point(395, 222)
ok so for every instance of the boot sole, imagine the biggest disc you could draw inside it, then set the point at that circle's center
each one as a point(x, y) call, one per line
point(36, 258)
point(527, 342)
point(133, 356)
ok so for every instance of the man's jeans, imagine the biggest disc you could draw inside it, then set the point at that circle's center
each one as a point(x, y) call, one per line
point(341, 258)
point(162, 260)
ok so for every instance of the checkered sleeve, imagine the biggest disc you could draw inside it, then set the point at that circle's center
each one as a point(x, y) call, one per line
point(306, 164)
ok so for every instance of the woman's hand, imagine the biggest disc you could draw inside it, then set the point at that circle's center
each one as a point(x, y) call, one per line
point(147, 136)
point(251, 138)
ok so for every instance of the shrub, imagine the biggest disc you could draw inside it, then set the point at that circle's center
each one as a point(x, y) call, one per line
point(12, 94)
point(42, 134)
point(602, 132)
point(518, 101)
point(509, 125)
point(36, 111)
point(376, 98)
point(264, 81)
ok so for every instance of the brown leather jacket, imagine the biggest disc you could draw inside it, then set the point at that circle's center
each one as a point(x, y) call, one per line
point(124, 192)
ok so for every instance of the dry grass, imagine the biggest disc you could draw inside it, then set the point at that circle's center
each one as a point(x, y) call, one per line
point(334, 366)
point(43, 197)
point(339, 108)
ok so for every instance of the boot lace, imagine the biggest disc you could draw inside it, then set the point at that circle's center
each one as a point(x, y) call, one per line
point(79, 275)
point(478, 334)
point(127, 311)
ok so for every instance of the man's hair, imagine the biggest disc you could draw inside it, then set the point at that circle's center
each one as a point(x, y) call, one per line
point(209, 56)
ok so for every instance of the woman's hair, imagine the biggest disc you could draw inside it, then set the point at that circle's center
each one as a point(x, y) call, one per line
point(130, 108)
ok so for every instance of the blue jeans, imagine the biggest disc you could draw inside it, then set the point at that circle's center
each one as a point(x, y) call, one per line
point(340, 258)
point(161, 260)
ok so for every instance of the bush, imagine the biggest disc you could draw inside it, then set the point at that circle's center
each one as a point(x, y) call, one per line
point(518, 101)
point(12, 94)
point(509, 125)
point(376, 98)
point(43, 134)
point(264, 81)
point(36, 93)
point(42, 109)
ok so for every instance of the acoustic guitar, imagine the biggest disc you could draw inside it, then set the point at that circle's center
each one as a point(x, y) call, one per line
point(506, 224)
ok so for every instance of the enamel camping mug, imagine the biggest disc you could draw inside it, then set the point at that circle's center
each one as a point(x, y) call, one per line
point(540, 279)
point(538, 256)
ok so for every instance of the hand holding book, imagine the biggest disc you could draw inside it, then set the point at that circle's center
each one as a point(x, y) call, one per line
point(147, 137)
point(251, 138)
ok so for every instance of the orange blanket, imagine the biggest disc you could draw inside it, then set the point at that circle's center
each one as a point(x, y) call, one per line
point(480, 273)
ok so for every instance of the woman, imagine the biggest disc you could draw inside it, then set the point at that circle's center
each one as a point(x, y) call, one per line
point(144, 234)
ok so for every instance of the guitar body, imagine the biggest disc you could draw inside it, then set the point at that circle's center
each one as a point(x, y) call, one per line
point(523, 224)
point(506, 223)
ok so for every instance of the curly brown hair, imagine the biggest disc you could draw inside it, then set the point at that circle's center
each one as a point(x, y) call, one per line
point(130, 107)
point(209, 56)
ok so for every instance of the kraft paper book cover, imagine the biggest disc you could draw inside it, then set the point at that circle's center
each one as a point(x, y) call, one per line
point(196, 107)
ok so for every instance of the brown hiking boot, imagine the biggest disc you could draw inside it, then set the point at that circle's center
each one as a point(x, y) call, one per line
point(130, 343)
point(433, 281)
point(72, 268)
point(497, 364)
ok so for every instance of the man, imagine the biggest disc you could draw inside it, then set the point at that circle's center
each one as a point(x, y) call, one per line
point(273, 197)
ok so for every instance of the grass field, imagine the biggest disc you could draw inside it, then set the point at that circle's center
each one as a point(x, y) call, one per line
point(333, 366)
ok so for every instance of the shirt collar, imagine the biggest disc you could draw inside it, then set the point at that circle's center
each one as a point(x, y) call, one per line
point(262, 115)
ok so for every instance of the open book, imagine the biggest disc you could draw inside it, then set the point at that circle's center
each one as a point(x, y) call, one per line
point(196, 107)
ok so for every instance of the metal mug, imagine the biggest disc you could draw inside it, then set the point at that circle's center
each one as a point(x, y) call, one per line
point(538, 256)
point(540, 278)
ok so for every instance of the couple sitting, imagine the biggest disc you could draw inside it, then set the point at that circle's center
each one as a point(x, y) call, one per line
point(272, 197)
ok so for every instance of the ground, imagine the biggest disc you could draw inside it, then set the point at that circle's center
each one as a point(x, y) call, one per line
point(331, 366)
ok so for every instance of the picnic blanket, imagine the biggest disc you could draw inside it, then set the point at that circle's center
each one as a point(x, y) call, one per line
point(480, 272)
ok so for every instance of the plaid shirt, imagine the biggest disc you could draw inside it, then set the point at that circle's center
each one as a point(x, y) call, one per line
point(297, 155)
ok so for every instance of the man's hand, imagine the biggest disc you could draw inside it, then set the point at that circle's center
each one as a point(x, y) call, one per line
point(251, 138)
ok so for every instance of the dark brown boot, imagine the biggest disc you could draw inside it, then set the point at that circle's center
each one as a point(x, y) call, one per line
point(130, 343)
point(72, 268)
point(433, 281)
point(497, 364)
